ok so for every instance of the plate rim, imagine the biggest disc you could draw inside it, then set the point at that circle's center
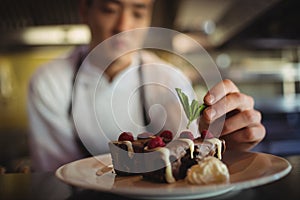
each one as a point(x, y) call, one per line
point(221, 188)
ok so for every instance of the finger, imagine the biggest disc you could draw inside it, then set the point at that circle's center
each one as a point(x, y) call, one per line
point(215, 128)
point(241, 120)
point(235, 122)
point(234, 101)
point(219, 91)
point(246, 138)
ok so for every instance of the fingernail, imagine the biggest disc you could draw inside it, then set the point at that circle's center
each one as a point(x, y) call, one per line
point(210, 99)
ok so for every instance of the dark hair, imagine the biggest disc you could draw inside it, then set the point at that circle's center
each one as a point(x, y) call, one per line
point(89, 2)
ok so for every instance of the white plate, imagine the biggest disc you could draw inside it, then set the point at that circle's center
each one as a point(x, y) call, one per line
point(246, 170)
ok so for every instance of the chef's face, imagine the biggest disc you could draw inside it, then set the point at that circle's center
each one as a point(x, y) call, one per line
point(109, 17)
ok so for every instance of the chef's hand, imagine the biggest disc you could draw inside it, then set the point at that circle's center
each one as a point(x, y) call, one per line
point(242, 128)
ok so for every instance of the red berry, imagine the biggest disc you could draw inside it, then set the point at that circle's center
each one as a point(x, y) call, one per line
point(156, 142)
point(145, 135)
point(126, 136)
point(186, 134)
point(206, 134)
point(166, 135)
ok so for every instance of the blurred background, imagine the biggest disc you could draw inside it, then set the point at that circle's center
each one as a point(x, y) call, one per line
point(256, 43)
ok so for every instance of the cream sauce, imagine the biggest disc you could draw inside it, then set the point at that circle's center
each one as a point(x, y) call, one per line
point(218, 143)
point(129, 148)
point(168, 173)
point(191, 145)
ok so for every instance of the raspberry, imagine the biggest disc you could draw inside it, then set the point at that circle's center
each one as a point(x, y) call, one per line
point(206, 134)
point(156, 142)
point(166, 135)
point(187, 134)
point(145, 135)
point(126, 136)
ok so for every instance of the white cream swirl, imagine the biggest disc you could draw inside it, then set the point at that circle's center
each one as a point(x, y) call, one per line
point(208, 171)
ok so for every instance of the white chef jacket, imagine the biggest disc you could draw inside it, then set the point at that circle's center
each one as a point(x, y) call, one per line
point(101, 110)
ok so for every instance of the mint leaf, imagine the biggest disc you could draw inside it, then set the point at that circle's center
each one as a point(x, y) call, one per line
point(192, 111)
point(194, 107)
point(184, 101)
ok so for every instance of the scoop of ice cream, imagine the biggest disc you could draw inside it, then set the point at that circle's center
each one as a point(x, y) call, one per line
point(208, 171)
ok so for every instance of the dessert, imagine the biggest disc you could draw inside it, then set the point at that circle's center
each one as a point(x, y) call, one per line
point(160, 158)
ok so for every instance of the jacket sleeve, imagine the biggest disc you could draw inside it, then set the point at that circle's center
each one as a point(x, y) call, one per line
point(51, 137)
